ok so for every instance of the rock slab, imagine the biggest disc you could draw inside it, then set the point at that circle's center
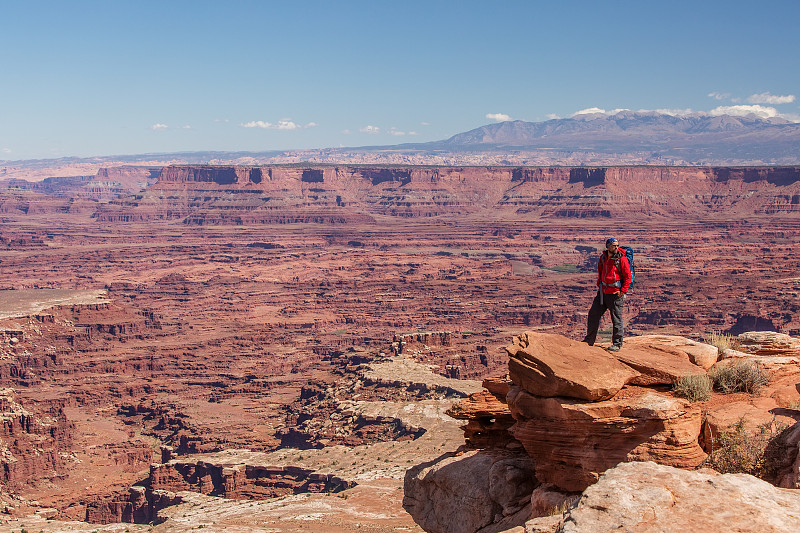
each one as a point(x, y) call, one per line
point(550, 365)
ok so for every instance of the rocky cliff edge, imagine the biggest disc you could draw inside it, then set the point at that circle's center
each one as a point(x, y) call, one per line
point(574, 439)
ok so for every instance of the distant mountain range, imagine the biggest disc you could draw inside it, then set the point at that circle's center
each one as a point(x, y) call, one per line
point(648, 136)
point(594, 139)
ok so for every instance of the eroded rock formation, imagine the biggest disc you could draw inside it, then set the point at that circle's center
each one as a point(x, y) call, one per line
point(642, 431)
point(467, 493)
point(31, 443)
point(573, 442)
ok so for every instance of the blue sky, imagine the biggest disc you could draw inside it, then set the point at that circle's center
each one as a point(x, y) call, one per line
point(86, 78)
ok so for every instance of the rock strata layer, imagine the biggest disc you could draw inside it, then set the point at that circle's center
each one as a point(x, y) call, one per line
point(573, 442)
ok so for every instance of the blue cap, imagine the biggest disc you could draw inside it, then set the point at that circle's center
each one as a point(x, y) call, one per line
point(610, 241)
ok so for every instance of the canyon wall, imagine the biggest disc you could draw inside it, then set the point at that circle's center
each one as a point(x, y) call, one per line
point(356, 194)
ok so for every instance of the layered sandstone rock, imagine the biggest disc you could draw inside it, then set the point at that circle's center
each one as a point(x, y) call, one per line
point(552, 365)
point(769, 343)
point(31, 443)
point(139, 505)
point(470, 493)
point(648, 498)
point(573, 442)
point(488, 419)
point(274, 194)
point(241, 481)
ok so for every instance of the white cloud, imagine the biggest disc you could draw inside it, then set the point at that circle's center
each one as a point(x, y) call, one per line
point(499, 117)
point(425, 123)
point(719, 96)
point(551, 116)
point(257, 124)
point(744, 110)
point(156, 127)
point(413, 133)
point(372, 130)
point(766, 98)
point(589, 111)
point(186, 127)
point(285, 124)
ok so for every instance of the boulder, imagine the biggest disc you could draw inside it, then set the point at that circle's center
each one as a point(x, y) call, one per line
point(573, 442)
point(698, 353)
point(651, 498)
point(471, 492)
point(769, 343)
point(552, 365)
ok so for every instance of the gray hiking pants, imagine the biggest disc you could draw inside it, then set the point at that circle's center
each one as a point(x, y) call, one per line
point(610, 302)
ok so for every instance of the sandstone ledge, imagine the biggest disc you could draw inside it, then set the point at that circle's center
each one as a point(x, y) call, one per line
point(573, 442)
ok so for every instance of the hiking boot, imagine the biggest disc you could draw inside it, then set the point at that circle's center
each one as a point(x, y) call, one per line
point(587, 341)
point(613, 348)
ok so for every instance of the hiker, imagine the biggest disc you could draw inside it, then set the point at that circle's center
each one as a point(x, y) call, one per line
point(613, 280)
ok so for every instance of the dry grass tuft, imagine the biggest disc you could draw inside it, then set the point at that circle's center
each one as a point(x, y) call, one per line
point(694, 387)
point(723, 341)
point(739, 376)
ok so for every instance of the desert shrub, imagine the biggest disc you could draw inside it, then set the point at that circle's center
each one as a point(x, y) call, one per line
point(693, 387)
point(740, 451)
point(739, 376)
point(723, 341)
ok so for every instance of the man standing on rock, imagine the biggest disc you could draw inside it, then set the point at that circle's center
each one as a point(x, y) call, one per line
point(613, 280)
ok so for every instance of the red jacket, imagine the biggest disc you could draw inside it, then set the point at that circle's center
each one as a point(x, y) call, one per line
point(609, 276)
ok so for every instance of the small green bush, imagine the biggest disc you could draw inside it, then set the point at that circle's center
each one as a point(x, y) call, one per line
point(693, 387)
point(739, 376)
